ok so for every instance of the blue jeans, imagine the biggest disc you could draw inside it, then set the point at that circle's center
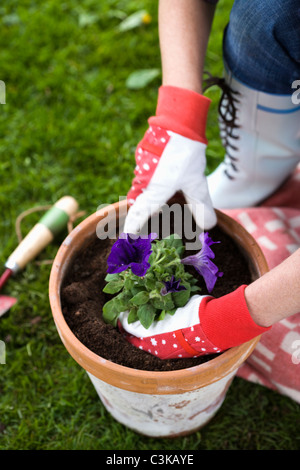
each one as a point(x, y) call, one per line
point(261, 44)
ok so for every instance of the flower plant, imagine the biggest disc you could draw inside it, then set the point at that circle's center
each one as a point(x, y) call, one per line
point(148, 278)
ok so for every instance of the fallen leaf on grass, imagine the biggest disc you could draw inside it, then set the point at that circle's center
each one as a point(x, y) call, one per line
point(141, 78)
point(135, 20)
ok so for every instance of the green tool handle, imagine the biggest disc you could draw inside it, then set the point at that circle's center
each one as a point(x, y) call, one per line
point(52, 222)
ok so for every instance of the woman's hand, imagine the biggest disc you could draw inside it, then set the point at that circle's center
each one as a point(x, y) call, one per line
point(171, 158)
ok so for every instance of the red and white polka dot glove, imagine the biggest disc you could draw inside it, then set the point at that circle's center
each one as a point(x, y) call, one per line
point(171, 158)
point(205, 325)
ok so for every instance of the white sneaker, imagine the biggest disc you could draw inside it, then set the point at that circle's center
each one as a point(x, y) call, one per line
point(261, 136)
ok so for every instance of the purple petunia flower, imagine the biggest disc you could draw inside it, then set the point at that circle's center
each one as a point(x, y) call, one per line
point(202, 262)
point(130, 251)
point(172, 286)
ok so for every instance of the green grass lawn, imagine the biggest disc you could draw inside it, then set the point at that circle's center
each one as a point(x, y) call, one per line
point(70, 125)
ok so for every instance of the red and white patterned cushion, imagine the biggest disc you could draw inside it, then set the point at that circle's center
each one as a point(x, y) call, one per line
point(275, 362)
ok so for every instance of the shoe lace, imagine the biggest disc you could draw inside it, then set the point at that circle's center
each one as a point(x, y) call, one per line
point(227, 119)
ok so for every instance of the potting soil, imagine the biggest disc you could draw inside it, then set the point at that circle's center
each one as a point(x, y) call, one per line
point(82, 300)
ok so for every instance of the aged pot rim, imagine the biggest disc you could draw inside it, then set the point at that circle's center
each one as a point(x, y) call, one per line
point(135, 380)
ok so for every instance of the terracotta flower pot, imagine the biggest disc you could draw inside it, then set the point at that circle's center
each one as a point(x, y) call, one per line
point(158, 404)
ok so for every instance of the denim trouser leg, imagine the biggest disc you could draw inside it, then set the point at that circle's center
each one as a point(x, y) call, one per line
point(262, 44)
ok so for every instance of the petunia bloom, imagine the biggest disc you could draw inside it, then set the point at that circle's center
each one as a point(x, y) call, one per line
point(130, 251)
point(202, 262)
point(172, 286)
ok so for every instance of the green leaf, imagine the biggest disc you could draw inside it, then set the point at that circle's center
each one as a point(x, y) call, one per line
point(114, 307)
point(195, 289)
point(181, 298)
point(113, 287)
point(168, 302)
point(128, 284)
point(180, 272)
point(10, 20)
point(140, 299)
point(112, 277)
point(149, 283)
point(133, 21)
point(166, 312)
point(141, 78)
point(110, 314)
point(162, 315)
point(136, 289)
point(158, 286)
point(146, 315)
point(149, 275)
point(173, 240)
point(157, 303)
point(150, 260)
point(158, 269)
point(172, 311)
point(132, 317)
point(85, 19)
point(122, 302)
point(180, 251)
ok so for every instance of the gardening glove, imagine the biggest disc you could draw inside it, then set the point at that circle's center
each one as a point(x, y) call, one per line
point(205, 325)
point(171, 158)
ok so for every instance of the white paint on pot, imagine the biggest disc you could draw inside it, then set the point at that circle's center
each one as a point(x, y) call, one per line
point(163, 415)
